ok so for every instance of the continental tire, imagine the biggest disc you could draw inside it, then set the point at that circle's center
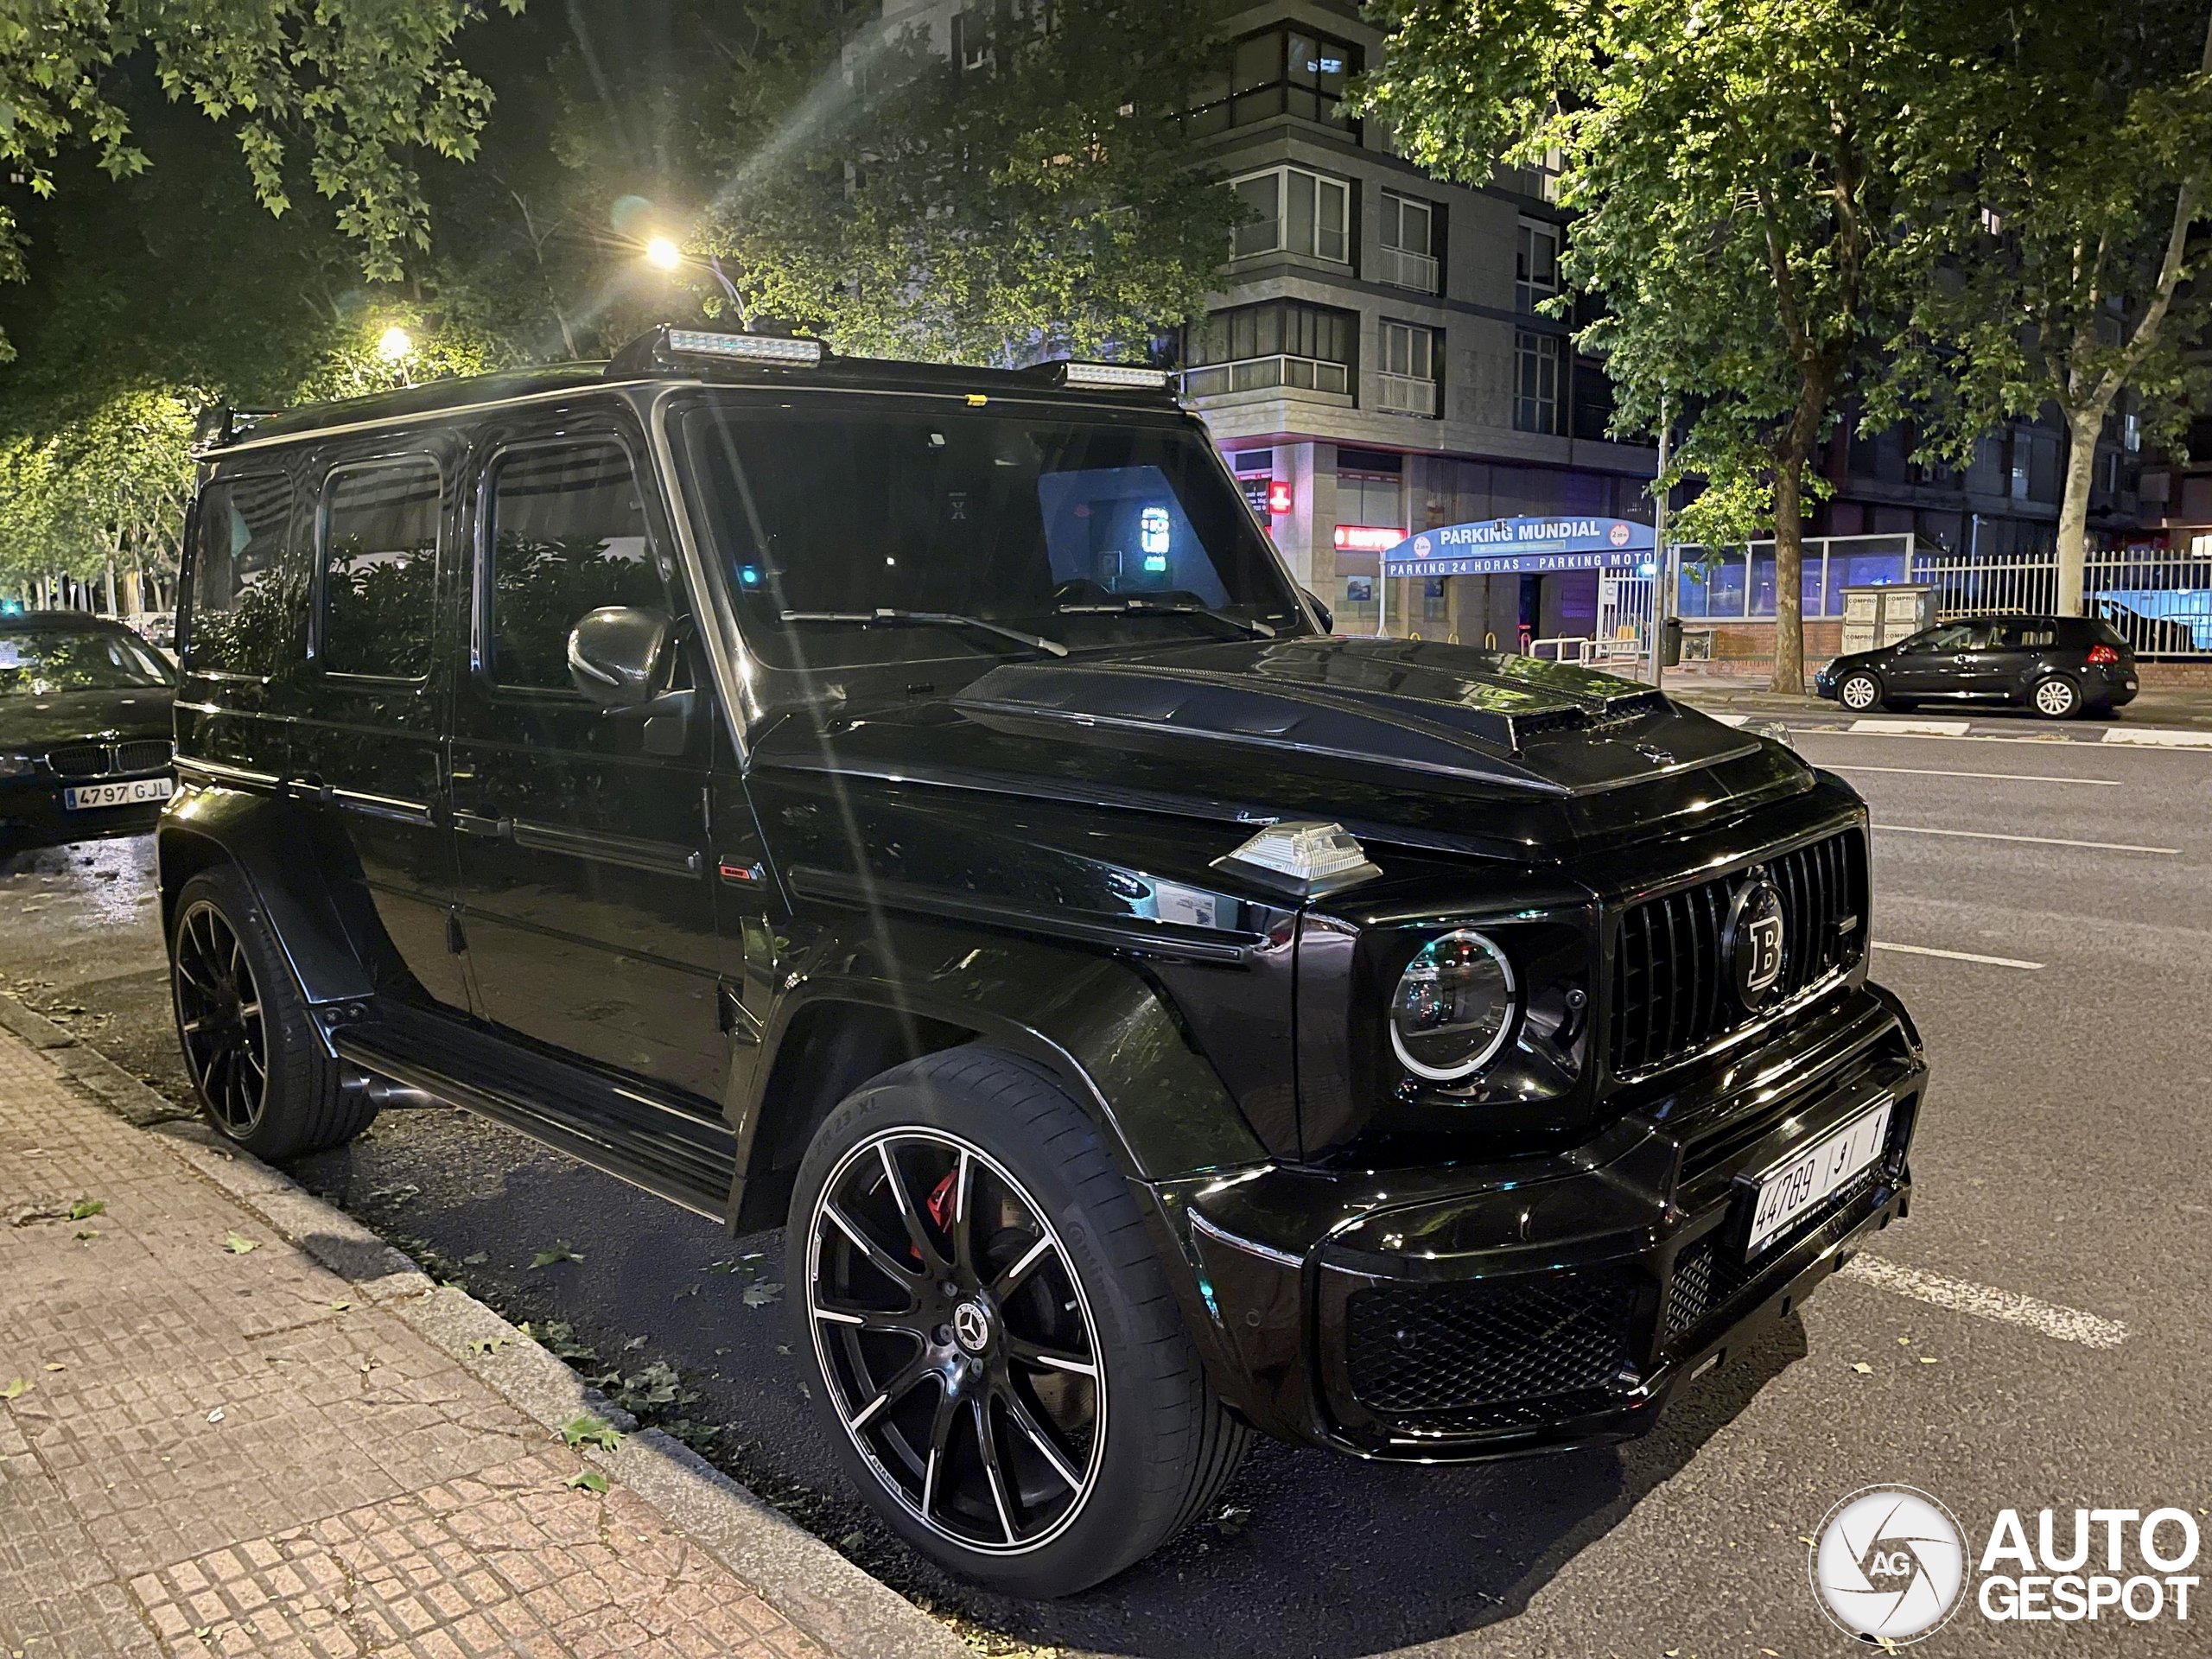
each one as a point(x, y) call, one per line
point(259, 1071)
point(1003, 1368)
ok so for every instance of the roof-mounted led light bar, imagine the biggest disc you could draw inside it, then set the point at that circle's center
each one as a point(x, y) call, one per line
point(1106, 377)
point(752, 349)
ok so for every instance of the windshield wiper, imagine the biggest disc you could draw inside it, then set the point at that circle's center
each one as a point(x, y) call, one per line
point(1141, 607)
point(936, 618)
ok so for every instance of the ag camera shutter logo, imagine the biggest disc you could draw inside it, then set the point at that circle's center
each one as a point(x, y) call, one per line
point(1890, 1563)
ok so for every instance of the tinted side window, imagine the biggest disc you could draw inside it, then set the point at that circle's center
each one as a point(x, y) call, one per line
point(567, 536)
point(379, 569)
point(245, 600)
point(2027, 636)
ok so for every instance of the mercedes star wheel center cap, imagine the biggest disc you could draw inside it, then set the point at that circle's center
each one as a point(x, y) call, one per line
point(971, 1326)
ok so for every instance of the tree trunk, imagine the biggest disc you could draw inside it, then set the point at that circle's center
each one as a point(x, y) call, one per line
point(2082, 427)
point(1789, 582)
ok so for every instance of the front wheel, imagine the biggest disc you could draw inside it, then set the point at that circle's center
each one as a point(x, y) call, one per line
point(1859, 692)
point(2056, 697)
point(1003, 1368)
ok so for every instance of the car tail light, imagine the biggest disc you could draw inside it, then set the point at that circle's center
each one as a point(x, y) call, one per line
point(2103, 656)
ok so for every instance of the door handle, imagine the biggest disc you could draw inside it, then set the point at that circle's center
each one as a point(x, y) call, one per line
point(482, 823)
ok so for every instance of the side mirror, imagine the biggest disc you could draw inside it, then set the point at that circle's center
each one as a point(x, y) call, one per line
point(619, 654)
point(1328, 617)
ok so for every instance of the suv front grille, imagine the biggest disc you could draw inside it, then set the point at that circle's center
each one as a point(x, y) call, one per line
point(1674, 990)
point(1426, 1349)
point(80, 760)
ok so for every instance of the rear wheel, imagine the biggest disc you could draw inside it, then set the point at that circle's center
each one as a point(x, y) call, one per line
point(2056, 697)
point(1004, 1369)
point(254, 1061)
point(1859, 692)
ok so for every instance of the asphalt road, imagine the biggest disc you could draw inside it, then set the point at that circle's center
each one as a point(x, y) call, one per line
point(2065, 1156)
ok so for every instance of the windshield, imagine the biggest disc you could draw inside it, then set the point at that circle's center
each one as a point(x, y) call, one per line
point(1083, 533)
point(38, 664)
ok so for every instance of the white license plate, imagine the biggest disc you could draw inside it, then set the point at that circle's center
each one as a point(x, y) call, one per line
point(1803, 1180)
point(78, 796)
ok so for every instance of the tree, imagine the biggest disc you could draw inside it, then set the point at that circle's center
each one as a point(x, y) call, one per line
point(1732, 167)
point(2068, 154)
point(1030, 193)
point(363, 82)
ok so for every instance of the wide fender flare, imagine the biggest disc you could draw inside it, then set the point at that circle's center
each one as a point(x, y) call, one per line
point(280, 854)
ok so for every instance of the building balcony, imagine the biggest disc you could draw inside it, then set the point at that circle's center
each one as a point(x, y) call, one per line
point(1401, 269)
point(1281, 371)
point(1407, 394)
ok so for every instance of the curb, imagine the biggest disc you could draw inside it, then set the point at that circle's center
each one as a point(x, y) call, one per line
point(848, 1612)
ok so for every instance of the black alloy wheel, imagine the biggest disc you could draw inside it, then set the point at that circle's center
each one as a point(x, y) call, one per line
point(957, 1341)
point(220, 1017)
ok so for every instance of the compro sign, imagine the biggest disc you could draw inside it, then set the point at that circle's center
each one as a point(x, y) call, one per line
point(1504, 547)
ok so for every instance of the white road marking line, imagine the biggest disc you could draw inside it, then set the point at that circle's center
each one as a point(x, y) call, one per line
point(2155, 737)
point(1915, 727)
point(2040, 840)
point(1959, 955)
point(2009, 1307)
point(2008, 776)
point(2046, 738)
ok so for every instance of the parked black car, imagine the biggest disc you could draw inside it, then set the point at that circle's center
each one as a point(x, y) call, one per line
point(2060, 666)
point(84, 730)
point(915, 804)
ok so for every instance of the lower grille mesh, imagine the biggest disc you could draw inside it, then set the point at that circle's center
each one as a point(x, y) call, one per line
point(1443, 1348)
point(1712, 1271)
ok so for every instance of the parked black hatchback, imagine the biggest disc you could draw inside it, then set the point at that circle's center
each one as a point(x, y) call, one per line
point(916, 806)
point(2059, 666)
point(84, 730)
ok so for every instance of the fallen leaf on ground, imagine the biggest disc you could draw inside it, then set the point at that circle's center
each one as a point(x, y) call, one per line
point(1862, 1367)
point(1929, 1359)
point(488, 1344)
point(216, 1415)
point(239, 1243)
point(560, 1252)
point(476, 1260)
point(587, 1430)
point(340, 1307)
point(688, 1290)
point(89, 1233)
point(757, 1296)
point(83, 1209)
point(55, 1365)
point(17, 1388)
point(634, 1344)
point(585, 1480)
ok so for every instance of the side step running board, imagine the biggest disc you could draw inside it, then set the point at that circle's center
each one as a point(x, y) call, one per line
point(683, 1156)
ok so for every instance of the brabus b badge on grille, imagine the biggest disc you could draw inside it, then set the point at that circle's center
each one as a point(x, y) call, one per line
point(1755, 939)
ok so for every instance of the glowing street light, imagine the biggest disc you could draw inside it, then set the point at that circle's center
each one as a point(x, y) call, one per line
point(394, 344)
point(663, 253)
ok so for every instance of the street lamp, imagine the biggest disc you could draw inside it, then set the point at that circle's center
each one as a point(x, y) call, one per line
point(394, 344)
point(663, 253)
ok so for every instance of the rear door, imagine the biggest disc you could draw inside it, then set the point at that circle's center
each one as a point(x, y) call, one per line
point(2011, 664)
point(370, 741)
point(583, 838)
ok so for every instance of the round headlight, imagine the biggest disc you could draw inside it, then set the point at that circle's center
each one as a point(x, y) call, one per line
point(1453, 1007)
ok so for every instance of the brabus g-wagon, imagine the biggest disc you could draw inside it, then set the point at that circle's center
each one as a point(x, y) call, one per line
point(916, 806)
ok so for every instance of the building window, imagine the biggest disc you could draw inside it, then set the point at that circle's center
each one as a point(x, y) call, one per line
point(971, 40)
point(1410, 357)
point(1535, 382)
point(1411, 243)
point(1281, 72)
point(1282, 343)
point(1593, 402)
point(1299, 213)
point(1535, 266)
point(1369, 489)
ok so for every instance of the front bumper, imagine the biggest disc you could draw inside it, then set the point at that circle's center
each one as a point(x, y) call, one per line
point(1487, 1311)
point(32, 815)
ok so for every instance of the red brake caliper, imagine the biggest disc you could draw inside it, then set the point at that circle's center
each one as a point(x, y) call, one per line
point(939, 1205)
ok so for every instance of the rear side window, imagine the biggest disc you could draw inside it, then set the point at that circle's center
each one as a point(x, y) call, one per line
point(245, 600)
point(567, 536)
point(2028, 636)
point(379, 569)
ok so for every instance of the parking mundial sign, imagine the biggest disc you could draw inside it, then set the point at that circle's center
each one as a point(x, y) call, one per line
point(1509, 547)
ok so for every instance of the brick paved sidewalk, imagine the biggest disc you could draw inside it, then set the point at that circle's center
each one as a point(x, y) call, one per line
point(214, 1451)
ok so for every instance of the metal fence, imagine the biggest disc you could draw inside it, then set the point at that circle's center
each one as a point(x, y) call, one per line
point(2158, 599)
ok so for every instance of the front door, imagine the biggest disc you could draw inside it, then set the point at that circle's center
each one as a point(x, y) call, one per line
point(1927, 664)
point(583, 838)
point(373, 694)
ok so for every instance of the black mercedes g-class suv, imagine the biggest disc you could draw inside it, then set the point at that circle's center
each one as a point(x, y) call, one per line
point(915, 804)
